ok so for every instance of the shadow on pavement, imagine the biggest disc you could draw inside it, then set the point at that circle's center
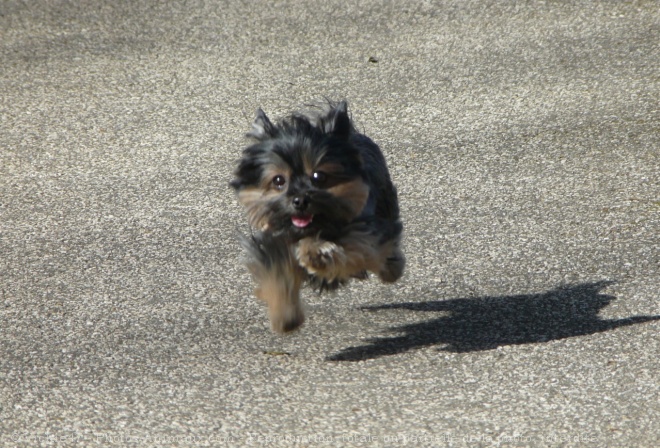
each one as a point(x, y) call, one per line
point(488, 322)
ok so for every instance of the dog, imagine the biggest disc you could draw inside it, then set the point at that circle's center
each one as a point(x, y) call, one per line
point(321, 207)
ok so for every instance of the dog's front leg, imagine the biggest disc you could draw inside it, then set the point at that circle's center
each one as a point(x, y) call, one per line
point(349, 256)
point(360, 249)
point(279, 287)
point(279, 278)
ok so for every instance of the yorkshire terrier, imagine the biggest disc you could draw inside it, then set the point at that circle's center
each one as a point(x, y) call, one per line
point(321, 205)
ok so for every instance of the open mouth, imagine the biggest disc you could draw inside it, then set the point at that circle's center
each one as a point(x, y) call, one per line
point(302, 221)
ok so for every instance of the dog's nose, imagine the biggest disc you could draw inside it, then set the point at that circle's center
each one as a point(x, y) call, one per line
point(300, 202)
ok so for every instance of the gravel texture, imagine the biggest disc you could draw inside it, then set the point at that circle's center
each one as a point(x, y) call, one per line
point(524, 138)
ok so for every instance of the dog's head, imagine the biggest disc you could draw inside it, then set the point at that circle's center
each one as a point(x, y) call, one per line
point(302, 176)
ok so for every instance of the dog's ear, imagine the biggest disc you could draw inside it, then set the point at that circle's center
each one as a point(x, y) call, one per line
point(338, 122)
point(262, 127)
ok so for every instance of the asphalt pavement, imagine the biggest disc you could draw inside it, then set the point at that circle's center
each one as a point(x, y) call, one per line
point(524, 138)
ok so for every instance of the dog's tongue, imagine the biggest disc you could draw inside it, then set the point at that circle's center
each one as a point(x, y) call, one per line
point(302, 220)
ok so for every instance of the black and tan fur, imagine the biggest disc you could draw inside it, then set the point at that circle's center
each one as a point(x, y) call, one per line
point(322, 207)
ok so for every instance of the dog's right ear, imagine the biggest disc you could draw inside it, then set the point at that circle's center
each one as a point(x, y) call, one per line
point(262, 127)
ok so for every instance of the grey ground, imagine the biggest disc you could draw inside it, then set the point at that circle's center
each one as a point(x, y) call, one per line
point(524, 139)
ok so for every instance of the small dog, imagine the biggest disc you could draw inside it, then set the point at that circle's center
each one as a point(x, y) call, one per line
point(322, 207)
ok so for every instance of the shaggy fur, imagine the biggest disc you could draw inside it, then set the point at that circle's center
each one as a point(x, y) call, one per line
point(322, 207)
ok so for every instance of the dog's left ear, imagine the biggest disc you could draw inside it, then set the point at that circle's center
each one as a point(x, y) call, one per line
point(338, 122)
point(262, 127)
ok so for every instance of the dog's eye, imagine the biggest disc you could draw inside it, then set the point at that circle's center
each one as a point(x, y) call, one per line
point(319, 178)
point(279, 181)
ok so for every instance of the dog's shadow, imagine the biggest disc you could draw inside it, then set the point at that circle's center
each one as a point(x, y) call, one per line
point(489, 322)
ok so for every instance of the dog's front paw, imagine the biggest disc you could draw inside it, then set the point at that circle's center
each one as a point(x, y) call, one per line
point(286, 316)
point(320, 257)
